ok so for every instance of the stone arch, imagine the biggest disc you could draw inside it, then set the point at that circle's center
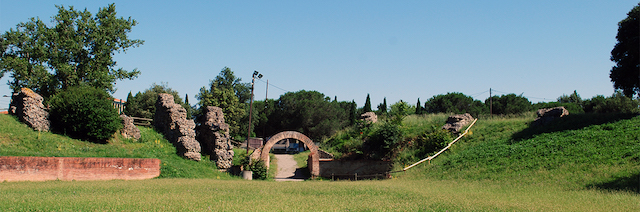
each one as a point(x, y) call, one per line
point(313, 162)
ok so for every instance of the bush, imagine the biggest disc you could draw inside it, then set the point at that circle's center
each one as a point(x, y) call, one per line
point(86, 113)
point(431, 140)
point(617, 103)
point(384, 142)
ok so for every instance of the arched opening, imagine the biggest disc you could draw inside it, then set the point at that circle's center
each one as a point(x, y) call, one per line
point(312, 162)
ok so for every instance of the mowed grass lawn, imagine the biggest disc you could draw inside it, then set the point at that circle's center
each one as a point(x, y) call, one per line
point(398, 194)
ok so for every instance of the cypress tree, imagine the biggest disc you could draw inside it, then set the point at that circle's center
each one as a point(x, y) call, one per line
point(418, 107)
point(367, 105)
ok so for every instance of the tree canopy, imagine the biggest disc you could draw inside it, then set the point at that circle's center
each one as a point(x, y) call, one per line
point(626, 54)
point(143, 104)
point(509, 104)
point(454, 103)
point(77, 50)
point(227, 92)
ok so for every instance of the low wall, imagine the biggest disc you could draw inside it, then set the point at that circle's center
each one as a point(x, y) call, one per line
point(354, 169)
point(13, 168)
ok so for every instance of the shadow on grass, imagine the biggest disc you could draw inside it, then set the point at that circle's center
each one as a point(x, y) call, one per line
point(571, 122)
point(627, 183)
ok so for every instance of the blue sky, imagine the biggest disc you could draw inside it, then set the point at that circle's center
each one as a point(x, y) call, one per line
point(401, 50)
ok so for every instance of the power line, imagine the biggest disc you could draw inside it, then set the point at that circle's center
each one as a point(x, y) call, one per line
point(271, 84)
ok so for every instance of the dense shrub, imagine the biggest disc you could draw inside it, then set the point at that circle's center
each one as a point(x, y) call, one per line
point(258, 167)
point(433, 139)
point(383, 142)
point(617, 103)
point(85, 112)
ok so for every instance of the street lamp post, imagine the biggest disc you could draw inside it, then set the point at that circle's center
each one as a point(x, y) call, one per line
point(253, 80)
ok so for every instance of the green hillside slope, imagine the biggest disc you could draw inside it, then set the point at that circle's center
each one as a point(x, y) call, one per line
point(577, 151)
point(16, 139)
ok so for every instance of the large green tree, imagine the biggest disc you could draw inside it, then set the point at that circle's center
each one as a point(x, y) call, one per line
point(229, 93)
point(509, 104)
point(454, 103)
point(626, 54)
point(143, 104)
point(77, 49)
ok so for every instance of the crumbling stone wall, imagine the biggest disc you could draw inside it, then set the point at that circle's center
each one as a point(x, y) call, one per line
point(129, 130)
point(547, 115)
point(369, 117)
point(456, 122)
point(171, 120)
point(27, 106)
point(213, 134)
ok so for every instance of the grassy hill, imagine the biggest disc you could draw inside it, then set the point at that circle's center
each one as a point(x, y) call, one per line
point(16, 139)
point(600, 151)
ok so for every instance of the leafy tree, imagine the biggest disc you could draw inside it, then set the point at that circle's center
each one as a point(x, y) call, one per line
point(131, 105)
point(617, 103)
point(310, 113)
point(367, 105)
point(573, 98)
point(625, 74)
point(399, 110)
point(509, 104)
point(227, 80)
point(382, 107)
point(226, 99)
point(77, 50)
point(227, 92)
point(145, 103)
point(454, 103)
point(85, 112)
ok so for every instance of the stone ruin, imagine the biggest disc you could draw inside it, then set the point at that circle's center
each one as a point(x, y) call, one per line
point(369, 117)
point(546, 115)
point(27, 106)
point(171, 120)
point(129, 130)
point(213, 134)
point(456, 122)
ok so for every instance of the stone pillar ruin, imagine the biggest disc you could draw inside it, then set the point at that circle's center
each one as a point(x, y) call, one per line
point(213, 134)
point(129, 130)
point(171, 120)
point(27, 106)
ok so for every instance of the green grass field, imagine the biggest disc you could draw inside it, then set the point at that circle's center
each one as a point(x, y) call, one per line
point(584, 162)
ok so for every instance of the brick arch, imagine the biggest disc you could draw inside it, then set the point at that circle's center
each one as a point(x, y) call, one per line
point(313, 161)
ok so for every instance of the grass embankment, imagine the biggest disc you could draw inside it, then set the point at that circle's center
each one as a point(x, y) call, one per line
point(579, 151)
point(16, 139)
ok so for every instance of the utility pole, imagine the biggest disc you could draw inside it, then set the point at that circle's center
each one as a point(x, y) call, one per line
point(490, 103)
point(253, 80)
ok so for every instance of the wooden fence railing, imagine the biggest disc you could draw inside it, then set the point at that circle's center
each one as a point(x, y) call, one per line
point(142, 121)
point(441, 151)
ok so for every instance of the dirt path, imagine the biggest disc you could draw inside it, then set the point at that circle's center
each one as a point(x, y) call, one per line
point(287, 169)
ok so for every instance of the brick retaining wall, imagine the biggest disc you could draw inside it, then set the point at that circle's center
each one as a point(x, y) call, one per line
point(13, 168)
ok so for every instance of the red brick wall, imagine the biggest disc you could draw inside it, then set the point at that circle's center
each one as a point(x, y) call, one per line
point(66, 168)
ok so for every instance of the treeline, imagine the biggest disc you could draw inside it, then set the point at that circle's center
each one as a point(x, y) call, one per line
point(516, 104)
